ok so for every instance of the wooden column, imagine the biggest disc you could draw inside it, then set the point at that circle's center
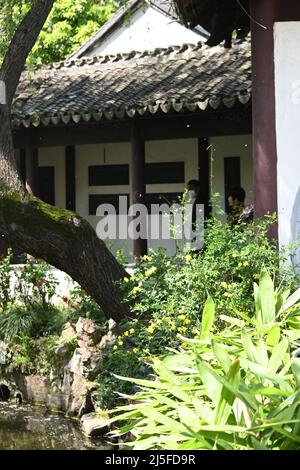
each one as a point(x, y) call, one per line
point(263, 91)
point(70, 179)
point(32, 171)
point(138, 181)
point(265, 13)
point(203, 173)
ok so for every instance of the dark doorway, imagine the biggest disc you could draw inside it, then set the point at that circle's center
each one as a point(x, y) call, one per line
point(4, 392)
point(232, 176)
point(47, 184)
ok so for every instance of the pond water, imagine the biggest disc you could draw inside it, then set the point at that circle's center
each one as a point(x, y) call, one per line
point(35, 428)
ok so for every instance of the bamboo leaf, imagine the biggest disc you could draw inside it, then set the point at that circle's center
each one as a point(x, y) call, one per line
point(208, 318)
point(227, 397)
point(266, 299)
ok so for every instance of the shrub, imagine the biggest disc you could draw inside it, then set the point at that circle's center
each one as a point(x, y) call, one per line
point(119, 362)
point(36, 284)
point(5, 280)
point(230, 390)
point(80, 304)
point(34, 322)
point(167, 293)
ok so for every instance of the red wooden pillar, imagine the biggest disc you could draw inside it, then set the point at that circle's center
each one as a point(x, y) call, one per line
point(32, 171)
point(138, 180)
point(263, 89)
point(264, 14)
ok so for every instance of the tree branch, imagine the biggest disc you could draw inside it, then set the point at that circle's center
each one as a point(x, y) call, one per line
point(22, 42)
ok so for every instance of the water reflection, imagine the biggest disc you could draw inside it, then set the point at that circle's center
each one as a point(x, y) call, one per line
point(35, 428)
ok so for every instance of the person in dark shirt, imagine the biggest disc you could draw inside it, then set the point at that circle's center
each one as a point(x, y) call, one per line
point(238, 211)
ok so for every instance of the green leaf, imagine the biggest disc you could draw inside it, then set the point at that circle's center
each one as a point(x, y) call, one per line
point(221, 355)
point(208, 317)
point(296, 370)
point(250, 349)
point(265, 373)
point(212, 385)
point(266, 299)
point(188, 417)
point(277, 356)
point(292, 300)
point(273, 336)
point(227, 397)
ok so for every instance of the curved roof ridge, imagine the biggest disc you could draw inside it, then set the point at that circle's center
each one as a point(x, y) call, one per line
point(134, 54)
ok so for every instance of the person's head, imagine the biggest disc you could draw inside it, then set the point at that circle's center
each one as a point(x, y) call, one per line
point(193, 188)
point(236, 197)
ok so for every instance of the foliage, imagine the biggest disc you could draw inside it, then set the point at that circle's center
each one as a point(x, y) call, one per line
point(34, 322)
point(37, 355)
point(36, 284)
point(229, 390)
point(80, 304)
point(167, 293)
point(120, 362)
point(5, 280)
point(70, 24)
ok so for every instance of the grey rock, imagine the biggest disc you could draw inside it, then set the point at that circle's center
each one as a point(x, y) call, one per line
point(94, 424)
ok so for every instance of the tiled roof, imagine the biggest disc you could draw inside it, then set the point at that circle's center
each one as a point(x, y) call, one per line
point(176, 79)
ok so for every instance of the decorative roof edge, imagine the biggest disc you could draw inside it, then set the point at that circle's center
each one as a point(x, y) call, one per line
point(95, 115)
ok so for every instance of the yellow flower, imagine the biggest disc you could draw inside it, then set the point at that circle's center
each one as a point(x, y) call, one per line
point(246, 263)
point(126, 279)
point(131, 331)
point(133, 278)
point(181, 317)
point(168, 319)
point(186, 321)
point(188, 258)
point(120, 343)
point(126, 333)
point(150, 329)
point(147, 258)
point(173, 327)
point(115, 348)
point(182, 329)
point(135, 350)
point(150, 271)
point(224, 284)
point(136, 289)
point(195, 331)
point(228, 294)
point(171, 308)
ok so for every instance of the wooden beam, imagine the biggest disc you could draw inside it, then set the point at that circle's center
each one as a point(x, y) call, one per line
point(70, 178)
point(138, 178)
point(185, 126)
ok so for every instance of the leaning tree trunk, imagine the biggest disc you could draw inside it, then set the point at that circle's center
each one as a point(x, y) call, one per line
point(60, 237)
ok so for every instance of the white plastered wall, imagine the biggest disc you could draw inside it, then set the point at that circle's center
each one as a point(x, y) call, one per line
point(156, 151)
point(231, 146)
point(146, 29)
point(287, 94)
